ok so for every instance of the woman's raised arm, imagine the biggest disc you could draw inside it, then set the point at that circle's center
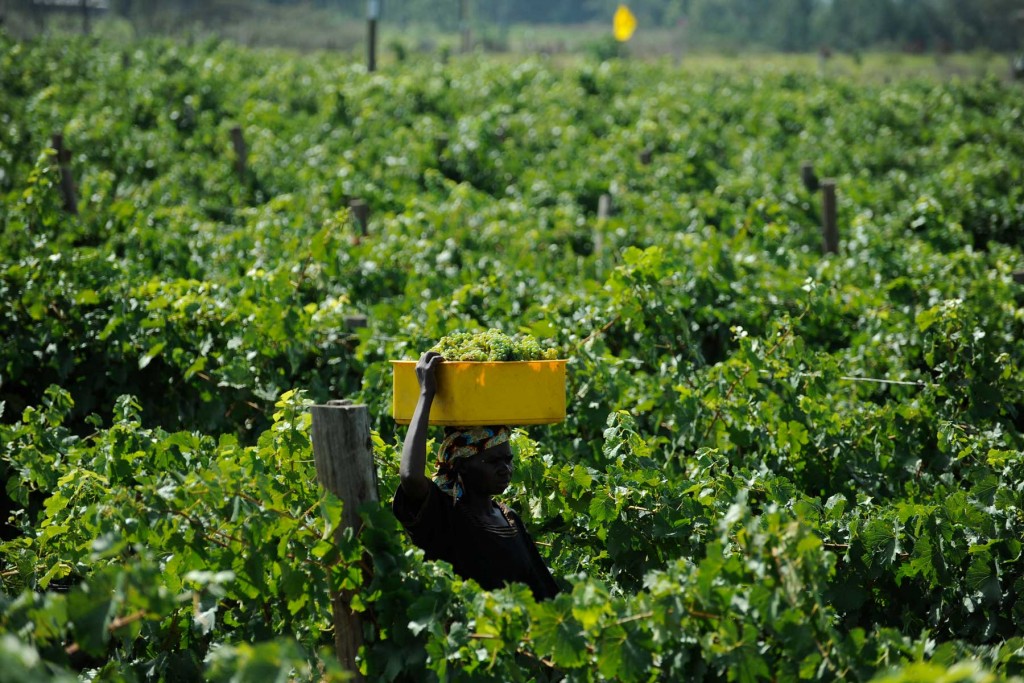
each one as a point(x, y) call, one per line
point(415, 484)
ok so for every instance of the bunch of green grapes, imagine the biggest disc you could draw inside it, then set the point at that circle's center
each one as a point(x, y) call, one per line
point(492, 345)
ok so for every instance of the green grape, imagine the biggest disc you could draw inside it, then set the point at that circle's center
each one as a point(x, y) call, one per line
point(492, 345)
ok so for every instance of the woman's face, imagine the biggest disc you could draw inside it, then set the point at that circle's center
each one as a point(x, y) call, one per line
point(488, 473)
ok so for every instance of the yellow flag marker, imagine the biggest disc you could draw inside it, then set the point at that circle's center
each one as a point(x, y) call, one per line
point(623, 24)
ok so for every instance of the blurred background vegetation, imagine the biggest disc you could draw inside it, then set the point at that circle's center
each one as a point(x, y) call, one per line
point(667, 27)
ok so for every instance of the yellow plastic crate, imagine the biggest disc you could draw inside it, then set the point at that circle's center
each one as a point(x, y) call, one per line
point(490, 393)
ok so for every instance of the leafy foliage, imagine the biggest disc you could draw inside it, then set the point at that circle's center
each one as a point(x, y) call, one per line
point(776, 465)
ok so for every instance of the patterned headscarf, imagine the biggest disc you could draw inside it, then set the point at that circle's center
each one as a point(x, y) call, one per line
point(464, 443)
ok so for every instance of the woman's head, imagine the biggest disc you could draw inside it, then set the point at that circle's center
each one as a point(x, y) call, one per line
point(478, 459)
point(489, 472)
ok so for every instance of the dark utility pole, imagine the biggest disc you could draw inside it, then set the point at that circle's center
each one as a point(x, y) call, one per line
point(467, 42)
point(86, 28)
point(372, 14)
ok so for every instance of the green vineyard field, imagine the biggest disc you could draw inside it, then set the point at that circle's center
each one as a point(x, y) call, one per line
point(778, 464)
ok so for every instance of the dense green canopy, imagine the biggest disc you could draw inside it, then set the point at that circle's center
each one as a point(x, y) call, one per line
point(776, 464)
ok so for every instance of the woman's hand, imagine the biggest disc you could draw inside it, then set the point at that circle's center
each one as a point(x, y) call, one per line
point(426, 372)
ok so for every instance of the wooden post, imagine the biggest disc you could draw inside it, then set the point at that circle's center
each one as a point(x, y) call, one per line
point(355, 322)
point(604, 207)
point(824, 54)
point(440, 144)
point(1017, 60)
point(67, 183)
point(343, 454)
point(604, 210)
point(829, 227)
point(808, 176)
point(680, 42)
point(372, 14)
point(241, 152)
point(645, 155)
point(1018, 277)
point(361, 214)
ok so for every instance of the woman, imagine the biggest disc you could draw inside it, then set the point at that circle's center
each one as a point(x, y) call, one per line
point(454, 516)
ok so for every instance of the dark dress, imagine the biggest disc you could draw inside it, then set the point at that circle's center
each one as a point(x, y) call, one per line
point(491, 555)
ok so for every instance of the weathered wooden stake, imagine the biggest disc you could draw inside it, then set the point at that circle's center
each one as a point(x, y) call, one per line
point(440, 144)
point(241, 152)
point(829, 227)
point(67, 183)
point(680, 42)
point(809, 177)
point(646, 154)
point(355, 322)
point(604, 210)
point(344, 466)
point(361, 213)
point(604, 207)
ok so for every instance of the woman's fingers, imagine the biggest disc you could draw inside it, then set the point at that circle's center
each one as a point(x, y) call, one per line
point(426, 369)
point(429, 360)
